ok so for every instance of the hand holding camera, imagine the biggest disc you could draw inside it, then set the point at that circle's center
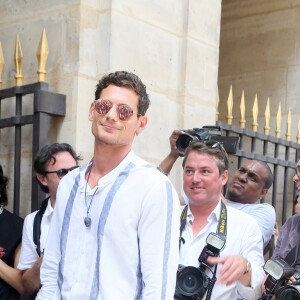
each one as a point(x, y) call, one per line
point(233, 268)
point(278, 281)
point(173, 138)
point(206, 134)
point(193, 283)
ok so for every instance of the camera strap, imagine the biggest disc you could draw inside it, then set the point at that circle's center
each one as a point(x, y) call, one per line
point(292, 256)
point(183, 218)
point(222, 224)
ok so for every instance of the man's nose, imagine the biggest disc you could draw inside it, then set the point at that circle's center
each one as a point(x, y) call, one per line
point(243, 177)
point(112, 113)
point(197, 177)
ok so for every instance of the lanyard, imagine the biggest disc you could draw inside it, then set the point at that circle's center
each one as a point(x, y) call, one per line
point(222, 224)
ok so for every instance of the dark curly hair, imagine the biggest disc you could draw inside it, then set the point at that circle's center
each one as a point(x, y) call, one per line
point(46, 154)
point(3, 188)
point(128, 80)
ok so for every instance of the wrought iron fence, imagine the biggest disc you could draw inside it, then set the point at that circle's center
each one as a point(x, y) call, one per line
point(280, 154)
point(45, 106)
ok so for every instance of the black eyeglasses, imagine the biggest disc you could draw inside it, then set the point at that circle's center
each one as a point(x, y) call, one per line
point(62, 172)
point(103, 106)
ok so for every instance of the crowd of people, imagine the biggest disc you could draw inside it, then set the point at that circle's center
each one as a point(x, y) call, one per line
point(115, 228)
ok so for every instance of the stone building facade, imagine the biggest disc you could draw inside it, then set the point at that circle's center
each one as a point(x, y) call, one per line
point(172, 45)
point(182, 50)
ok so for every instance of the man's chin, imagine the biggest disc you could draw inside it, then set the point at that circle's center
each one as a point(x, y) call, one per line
point(233, 196)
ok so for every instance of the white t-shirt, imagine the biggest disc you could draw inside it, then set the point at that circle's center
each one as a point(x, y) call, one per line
point(29, 254)
point(263, 213)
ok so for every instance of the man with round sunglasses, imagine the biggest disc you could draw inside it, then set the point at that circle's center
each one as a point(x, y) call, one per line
point(114, 233)
point(51, 164)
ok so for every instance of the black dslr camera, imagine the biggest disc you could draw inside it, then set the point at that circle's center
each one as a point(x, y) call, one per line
point(277, 284)
point(192, 283)
point(205, 134)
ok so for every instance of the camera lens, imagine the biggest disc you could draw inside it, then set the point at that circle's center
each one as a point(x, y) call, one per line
point(183, 142)
point(288, 292)
point(189, 281)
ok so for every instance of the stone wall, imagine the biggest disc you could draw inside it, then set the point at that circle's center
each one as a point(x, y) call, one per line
point(259, 53)
point(172, 45)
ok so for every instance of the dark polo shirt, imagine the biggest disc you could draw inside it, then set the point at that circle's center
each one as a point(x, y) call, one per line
point(289, 236)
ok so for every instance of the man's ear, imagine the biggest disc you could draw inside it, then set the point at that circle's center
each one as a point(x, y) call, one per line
point(91, 111)
point(143, 120)
point(263, 193)
point(42, 179)
point(224, 176)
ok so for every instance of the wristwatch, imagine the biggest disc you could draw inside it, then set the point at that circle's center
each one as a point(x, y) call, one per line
point(248, 268)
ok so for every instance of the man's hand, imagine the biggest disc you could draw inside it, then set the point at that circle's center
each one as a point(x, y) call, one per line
point(173, 138)
point(232, 270)
point(31, 277)
point(167, 164)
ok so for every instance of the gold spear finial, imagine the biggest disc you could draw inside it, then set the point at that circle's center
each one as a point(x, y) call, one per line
point(255, 114)
point(278, 121)
point(229, 107)
point(18, 62)
point(42, 55)
point(288, 126)
point(2, 62)
point(267, 118)
point(242, 109)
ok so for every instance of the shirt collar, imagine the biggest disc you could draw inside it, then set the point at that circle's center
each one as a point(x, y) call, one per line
point(108, 177)
point(214, 215)
point(49, 208)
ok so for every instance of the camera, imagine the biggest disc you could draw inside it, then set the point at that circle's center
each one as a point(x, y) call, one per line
point(205, 134)
point(192, 283)
point(276, 284)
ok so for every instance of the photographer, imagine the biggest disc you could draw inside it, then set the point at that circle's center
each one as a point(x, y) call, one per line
point(248, 185)
point(239, 267)
point(289, 234)
point(283, 269)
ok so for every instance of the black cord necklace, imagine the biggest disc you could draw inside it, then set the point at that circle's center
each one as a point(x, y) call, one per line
point(87, 219)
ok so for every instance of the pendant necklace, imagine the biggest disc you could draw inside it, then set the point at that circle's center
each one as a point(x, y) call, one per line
point(87, 219)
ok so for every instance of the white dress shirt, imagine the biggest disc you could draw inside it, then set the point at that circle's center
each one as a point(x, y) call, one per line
point(243, 238)
point(130, 251)
point(263, 213)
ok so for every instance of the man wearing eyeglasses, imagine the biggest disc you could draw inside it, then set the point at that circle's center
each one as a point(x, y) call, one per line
point(52, 163)
point(223, 242)
point(114, 233)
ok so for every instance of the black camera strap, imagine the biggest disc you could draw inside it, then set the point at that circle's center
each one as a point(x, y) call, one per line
point(222, 224)
point(221, 232)
point(292, 256)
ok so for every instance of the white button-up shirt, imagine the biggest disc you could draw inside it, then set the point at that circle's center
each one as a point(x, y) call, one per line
point(130, 251)
point(243, 238)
